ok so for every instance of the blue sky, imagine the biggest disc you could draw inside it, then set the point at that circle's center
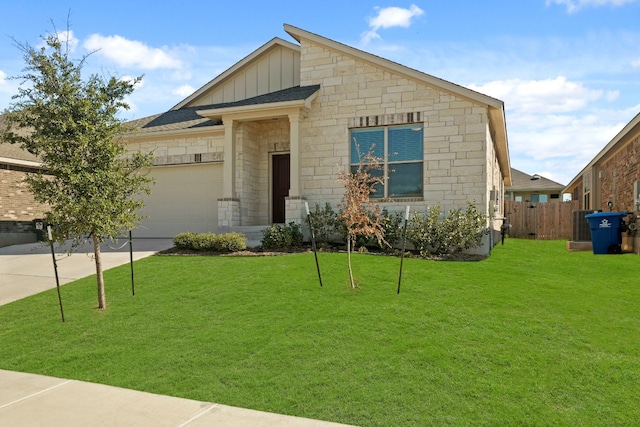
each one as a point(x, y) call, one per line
point(567, 70)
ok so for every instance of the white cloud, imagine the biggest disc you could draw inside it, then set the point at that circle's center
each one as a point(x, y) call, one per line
point(389, 17)
point(636, 63)
point(3, 78)
point(131, 53)
point(556, 124)
point(575, 5)
point(183, 91)
point(556, 95)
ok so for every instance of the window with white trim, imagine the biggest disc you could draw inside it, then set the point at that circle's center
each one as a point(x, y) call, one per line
point(402, 154)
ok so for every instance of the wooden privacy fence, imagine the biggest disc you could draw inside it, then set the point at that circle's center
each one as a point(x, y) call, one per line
point(544, 221)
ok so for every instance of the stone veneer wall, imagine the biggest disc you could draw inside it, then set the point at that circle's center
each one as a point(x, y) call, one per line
point(182, 150)
point(455, 130)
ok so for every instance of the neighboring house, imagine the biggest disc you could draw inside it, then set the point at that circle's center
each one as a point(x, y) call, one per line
point(18, 208)
point(250, 147)
point(532, 188)
point(611, 181)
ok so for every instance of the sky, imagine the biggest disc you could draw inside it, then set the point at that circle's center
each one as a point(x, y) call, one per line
point(568, 71)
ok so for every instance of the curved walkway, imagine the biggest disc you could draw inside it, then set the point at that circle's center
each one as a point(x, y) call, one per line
point(37, 400)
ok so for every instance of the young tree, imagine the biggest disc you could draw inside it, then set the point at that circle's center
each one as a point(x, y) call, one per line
point(90, 185)
point(357, 212)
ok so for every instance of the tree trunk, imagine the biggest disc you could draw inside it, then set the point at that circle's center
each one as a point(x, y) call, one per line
point(102, 301)
point(349, 261)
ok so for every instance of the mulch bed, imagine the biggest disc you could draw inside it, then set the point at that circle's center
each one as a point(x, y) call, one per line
point(259, 251)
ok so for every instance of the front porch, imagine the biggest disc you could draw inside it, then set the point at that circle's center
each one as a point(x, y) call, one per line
point(261, 169)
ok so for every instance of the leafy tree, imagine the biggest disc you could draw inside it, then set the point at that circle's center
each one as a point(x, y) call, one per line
point(90, 186)
point(360, 215)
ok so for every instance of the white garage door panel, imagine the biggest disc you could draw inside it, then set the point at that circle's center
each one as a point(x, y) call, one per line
point(184, 198)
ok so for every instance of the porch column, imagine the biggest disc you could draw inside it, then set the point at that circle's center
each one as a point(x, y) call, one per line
point(229, 168)
point(294, 131)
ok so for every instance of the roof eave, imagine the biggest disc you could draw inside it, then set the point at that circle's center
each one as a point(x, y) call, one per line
point(19, 162)
point(257, 111)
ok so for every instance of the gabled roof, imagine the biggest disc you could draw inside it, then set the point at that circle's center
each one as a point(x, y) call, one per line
point(188, 117)
point(495, 106)
point(276, 41)
point(13, 154)
point(620, 138)
point(525, 182)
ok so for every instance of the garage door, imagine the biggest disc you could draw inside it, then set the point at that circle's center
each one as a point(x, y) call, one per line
point(184, 198)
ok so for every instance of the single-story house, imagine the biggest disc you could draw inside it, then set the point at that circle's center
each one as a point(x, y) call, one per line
point(272, 132)
point(532, 188)
point(611, 182)
point(18, 208)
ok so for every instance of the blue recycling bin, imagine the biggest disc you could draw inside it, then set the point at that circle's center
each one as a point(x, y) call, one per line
point(606, 235)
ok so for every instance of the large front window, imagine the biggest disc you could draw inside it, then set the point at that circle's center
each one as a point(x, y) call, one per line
point(401, 153)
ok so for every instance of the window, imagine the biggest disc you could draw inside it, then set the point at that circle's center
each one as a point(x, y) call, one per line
point(400, 147)
point(539, 198)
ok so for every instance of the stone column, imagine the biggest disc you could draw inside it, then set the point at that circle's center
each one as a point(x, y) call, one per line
point(229, 204)
point(294, 150)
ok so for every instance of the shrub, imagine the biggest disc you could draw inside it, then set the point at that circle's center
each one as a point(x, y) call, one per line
point(231, 242)
point(280, 236)
point(205, 242)
point(210, 242)
point(391, 232)
point(325, 223)
point(184, 240)
point(458, 231)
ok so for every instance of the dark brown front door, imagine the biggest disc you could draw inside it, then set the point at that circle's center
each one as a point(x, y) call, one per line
point(280, 186)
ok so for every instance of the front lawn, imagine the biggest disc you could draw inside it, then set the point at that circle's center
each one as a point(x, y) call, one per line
point(533, 335)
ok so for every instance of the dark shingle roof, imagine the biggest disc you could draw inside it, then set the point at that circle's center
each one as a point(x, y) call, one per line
point(188, 118)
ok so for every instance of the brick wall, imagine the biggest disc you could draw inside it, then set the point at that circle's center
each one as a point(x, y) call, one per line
point(617, 176)
point(16, 201)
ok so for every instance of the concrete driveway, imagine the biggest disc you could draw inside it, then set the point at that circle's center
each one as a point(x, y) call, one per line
point(28, 269)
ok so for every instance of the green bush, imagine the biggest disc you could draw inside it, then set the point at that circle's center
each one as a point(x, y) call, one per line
point(458, 231)
point(280, 236)
point(184, 240)
point(325, 223)
point(205, 242)
point(210, 242)
point(231, 242)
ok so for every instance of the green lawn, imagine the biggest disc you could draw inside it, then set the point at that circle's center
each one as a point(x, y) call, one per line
point(534, 335)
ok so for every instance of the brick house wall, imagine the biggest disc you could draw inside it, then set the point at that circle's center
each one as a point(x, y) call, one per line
point(18, 208)
point(617, 176)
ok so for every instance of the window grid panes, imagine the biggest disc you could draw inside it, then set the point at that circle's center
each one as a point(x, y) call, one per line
point(401, 148)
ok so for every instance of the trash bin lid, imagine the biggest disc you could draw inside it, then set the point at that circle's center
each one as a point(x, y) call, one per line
point(606, 215)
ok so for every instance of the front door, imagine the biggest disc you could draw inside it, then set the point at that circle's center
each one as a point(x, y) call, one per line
point(280, 186)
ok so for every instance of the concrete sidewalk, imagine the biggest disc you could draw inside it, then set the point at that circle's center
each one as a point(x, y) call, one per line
point(37, 400)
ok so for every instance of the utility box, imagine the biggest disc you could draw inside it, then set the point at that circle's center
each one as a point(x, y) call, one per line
point(581, 229)
point(606, 235)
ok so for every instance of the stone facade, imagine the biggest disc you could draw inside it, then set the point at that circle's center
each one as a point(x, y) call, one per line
point(459, 157)
point(464, 159)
